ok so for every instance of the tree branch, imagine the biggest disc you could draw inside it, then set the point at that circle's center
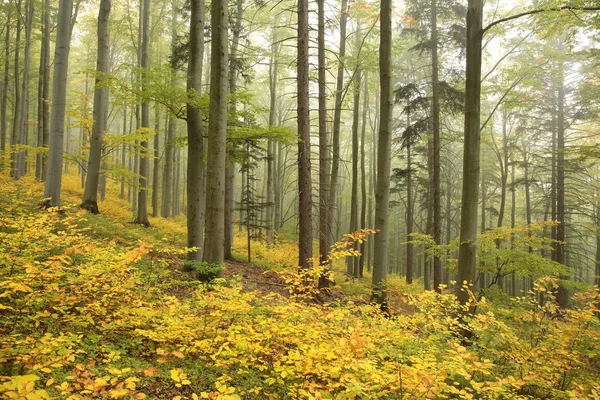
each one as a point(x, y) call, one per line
point(538, 11)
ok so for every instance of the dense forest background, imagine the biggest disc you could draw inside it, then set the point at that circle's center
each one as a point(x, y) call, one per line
point(384, 147)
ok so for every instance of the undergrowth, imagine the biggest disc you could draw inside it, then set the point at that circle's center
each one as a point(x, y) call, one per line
point(91, 307)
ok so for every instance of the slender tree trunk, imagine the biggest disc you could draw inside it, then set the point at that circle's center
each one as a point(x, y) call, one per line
point(195, 160)
point(304, 180)
point(513, 216)
point(363, 186)
point(409, 208)
point(337, 116)
point(230, 173)
point(482, 273)
point(40, 106)
point(437, 195)
point(46, 87)
point(4, 104)
point(90, 194)
point(156, 167)
point(563, 294)
point(17, 125)
point(59, 96)
point(470, 194)
point(214, 242)
point(271, 164)
point(124, 152)
point(380, 269)
point(352, 262)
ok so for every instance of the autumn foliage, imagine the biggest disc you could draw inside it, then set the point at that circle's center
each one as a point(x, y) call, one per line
point(86, 314)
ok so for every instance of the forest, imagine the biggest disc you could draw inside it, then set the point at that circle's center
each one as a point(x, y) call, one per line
point(293, 199)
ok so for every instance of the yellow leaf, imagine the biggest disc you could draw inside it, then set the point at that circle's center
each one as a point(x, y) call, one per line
point(178, 354)
point(49, 382)
point(175, 375)
point(46, 370)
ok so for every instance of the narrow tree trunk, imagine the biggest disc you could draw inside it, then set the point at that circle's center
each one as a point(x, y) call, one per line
point(337, 116)
point(142, 206)
point(230, 173)
point(59, 97)
point(4, 104)
point(304, 180)
point(46, 88)
point(271, 165)
point(437, 195)
point(124, 152)
point(214, 242)
point(156, 166)
point(563, 294)
point(409, 208)
point(195, 185)
point(471, 164)
point(380, 269)
point(363, 186)
point(513, 216)
point(17, 108)
point(40, 107)
point(352, 262)
point(90, 194)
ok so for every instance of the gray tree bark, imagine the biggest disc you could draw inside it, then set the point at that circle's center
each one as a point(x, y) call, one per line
point(304, 179)
point(214, 242)
point(437, 195)
point(142, 203)
point(380, 267)
point(195, 184)
point(4, 99)
point(59, 96)
point(471, 161)
point(90, 193)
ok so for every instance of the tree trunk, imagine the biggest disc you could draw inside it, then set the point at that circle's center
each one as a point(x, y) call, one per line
point(271, 164)
point(156, 166)
point(90, 194)
point(335, 150)
point(142, 206)
point(17, 108)
point(214, 242)
point(352, 262)
point(195, 185)
point(470, 194)
point(46, 88)
point(124, 152)
point(234, 63)
point(380, 269)
point(304, 180)
point(4, 104)
point(40, 106)
point(363, 186)
point(409, 208)
point(437, 195)
point(59, 97)
point(563, 294)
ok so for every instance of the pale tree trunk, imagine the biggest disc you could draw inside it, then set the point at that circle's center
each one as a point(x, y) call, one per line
point(142, 206)
point(4, 104)
point(90, 194)
point(409, 208)
point(40, 105)
point(230, 173)
point(352, 262)
point(337, 116)
point(24, 136)
point(304, 180)
point(437, 208)
point(156, 167)
point(124, 152)
point(195, 161)
point(513, 216)
point(563, 293)
point(382, 192)
point(470, 194)
point(482, 275)
point(363, 176)
point(271, 170)
point(59, 97)
point(214, 242)
point(172, 124)
point(17, 108)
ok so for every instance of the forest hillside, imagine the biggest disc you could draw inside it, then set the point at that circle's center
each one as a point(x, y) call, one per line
point(94, 306)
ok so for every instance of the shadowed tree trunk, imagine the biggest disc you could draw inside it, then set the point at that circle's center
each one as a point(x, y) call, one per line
point(214, 241)
point(17, 106)
point(352, 262)
point(382, 192)
point(470, 194)
point(437, 195)
point(195, 184)
point(363, 185)
point(409, 207)
point(304, 180)
point(156, 161)
point(337, 115)
point(59, 96)
point(90, 193)
point(4, 104)
point(142, 206)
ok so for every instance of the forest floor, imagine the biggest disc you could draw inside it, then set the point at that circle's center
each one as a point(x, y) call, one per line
point(94, 306)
